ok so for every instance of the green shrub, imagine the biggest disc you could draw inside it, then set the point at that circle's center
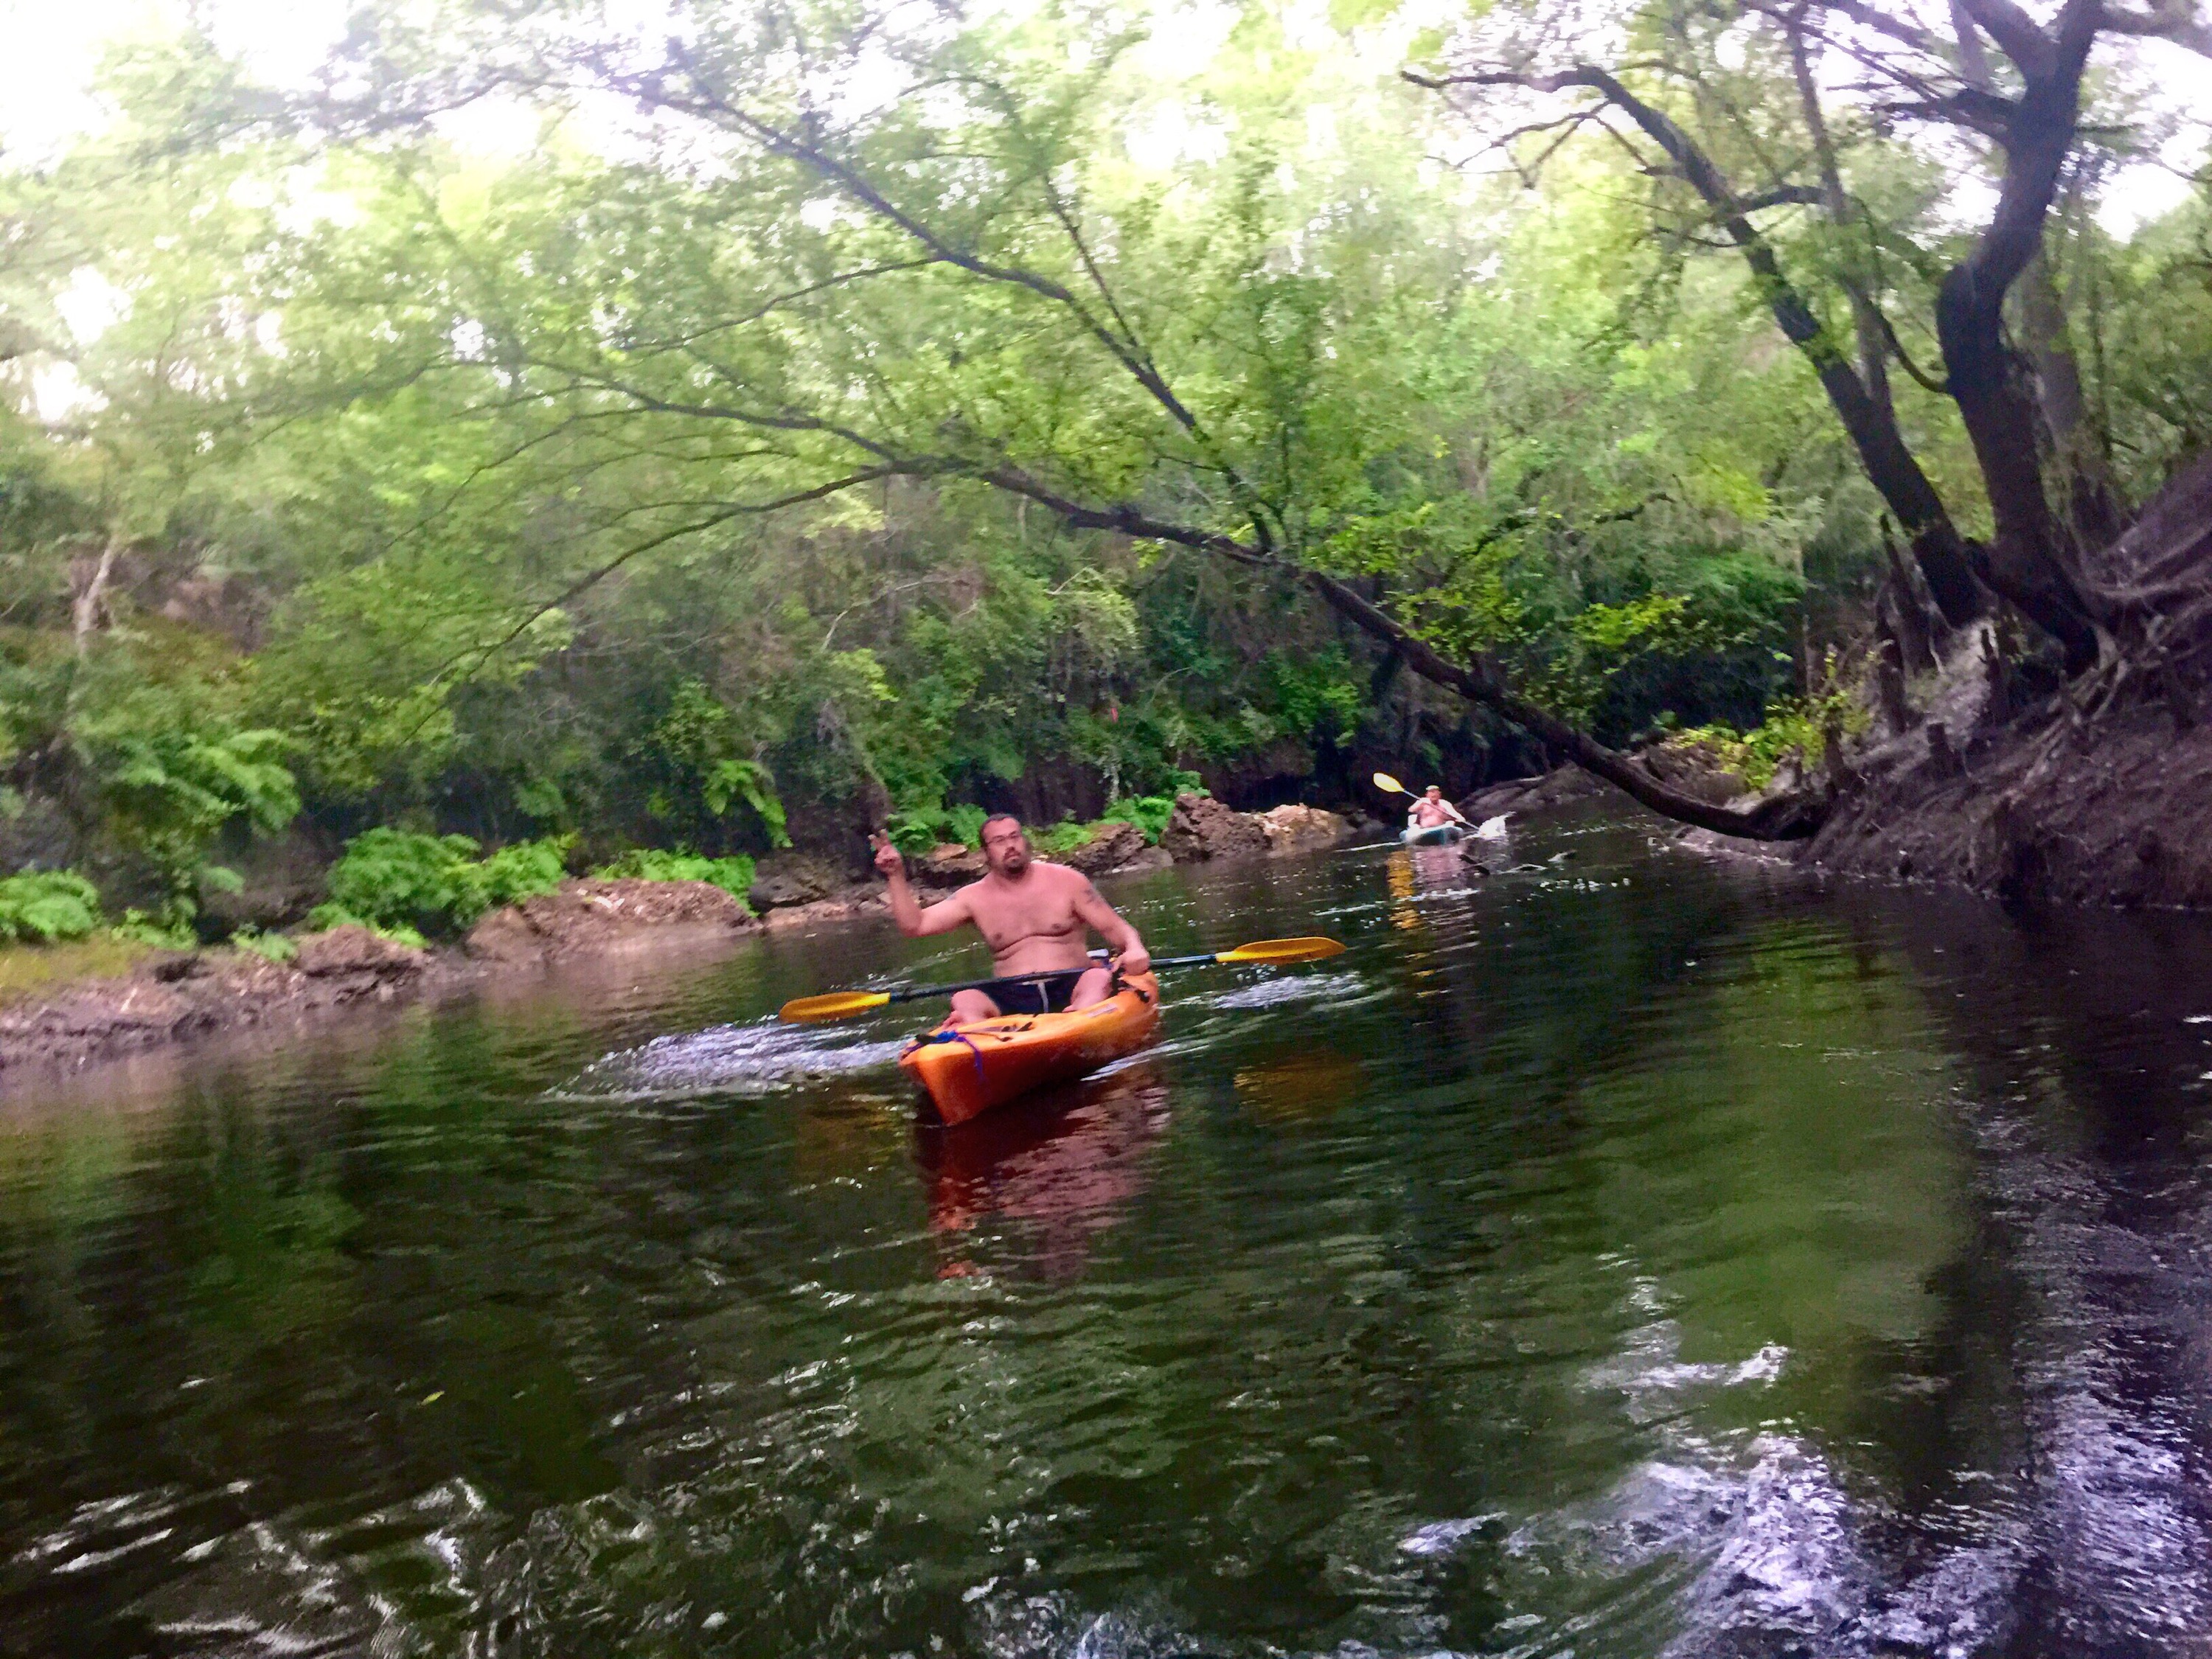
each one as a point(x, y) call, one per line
point(525, 868)
point(1150, 813)
point(1793, 726)
point(432, 885)
point(734, 876)
point(964, 822)
point(47, 906)
point(171, 791)
point(276, 947)
point(136, 928)
point(915, 831)
point(1055, 839)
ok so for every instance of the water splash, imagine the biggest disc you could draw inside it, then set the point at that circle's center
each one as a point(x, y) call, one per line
point(758, 1059)
point(1291, 988)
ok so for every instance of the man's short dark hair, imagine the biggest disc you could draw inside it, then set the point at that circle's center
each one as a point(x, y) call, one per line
point(996, 817)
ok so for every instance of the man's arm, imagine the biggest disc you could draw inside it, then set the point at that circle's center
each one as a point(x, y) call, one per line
point(1106, 922)
point(914, 921)
point(1458, 817)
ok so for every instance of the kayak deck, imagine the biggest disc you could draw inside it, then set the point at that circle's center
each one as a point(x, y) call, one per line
point(978, 1066)
point(1435, 835)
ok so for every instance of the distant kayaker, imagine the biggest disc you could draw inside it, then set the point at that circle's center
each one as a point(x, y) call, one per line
point(1432, 810)
point(1036, 917)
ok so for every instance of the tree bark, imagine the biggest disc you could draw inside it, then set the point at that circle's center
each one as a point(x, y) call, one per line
point(88, 609)
point(2091, 504)
point(2024, 561)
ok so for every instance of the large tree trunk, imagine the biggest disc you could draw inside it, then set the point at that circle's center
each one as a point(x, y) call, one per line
point(2026, 561)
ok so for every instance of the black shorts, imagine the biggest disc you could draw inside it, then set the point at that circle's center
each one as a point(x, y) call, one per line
point(1048, 995)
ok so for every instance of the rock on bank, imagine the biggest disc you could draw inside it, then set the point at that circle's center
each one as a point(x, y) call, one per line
point(1203, 829)
point(597, 918)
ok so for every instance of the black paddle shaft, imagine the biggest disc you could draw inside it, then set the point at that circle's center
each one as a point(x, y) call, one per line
point(915, 993)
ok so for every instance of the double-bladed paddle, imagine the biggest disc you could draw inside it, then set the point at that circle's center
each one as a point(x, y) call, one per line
point(836, 1004)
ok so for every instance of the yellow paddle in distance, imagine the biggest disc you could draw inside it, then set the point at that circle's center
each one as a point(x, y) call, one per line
point(842, 1004)
point(1390, 786)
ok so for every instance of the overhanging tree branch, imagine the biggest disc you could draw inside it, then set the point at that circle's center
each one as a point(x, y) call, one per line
point(1889, 463)
point(1784, 818)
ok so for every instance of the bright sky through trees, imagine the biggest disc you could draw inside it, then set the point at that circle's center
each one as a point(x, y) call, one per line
point(49, 54)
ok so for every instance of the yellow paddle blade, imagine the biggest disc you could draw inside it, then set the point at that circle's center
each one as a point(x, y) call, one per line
point(1279, 950)
point(1390, 786)
point(835, 1005)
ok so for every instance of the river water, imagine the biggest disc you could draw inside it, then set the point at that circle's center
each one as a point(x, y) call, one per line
point(1632, 1258)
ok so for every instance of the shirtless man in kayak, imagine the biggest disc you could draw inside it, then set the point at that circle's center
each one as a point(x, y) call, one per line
point(1432, 809)
point(1036, 917)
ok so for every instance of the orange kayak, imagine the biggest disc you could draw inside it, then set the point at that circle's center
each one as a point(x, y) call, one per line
point(987, 1064)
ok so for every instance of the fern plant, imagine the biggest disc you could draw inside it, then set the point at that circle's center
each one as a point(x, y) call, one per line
point(47, 906)
point(433, 885)
point(733, 875)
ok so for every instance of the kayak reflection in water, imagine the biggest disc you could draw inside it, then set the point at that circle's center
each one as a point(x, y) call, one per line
point(1069, 1162)
point(1037, 917)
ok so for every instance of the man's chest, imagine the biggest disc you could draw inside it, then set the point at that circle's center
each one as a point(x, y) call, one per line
point(1003, 918)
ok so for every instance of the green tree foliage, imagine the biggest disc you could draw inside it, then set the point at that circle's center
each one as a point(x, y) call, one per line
point(849, 439)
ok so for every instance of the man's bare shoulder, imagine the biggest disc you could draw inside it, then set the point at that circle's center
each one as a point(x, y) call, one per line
point(1061, 875)
point(1070, 881)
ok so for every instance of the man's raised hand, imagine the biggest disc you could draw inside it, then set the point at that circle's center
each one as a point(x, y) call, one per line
point(888, 860)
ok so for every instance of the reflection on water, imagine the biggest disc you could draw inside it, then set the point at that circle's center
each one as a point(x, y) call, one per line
point(1613, 1256)
point(1068, 1161)
point(1305, 1085)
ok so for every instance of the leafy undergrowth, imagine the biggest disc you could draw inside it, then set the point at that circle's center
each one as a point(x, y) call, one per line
point(47, 906)
point(1795, 728)
point(415, 887)
point(916, 833)
point(405, 884)
point(734, 875)
point(1150, 813)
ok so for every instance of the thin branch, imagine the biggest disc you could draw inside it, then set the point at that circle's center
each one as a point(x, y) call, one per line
point(2173, 21)
point(1126, 351)
point(476, 658)
point(1942, 388)
point(1781, 196)
point(1881, 22)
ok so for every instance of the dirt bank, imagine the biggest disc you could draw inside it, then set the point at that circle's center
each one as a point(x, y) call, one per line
point(601, 918)
point(176, 996)
point(2028, 812)
point(179, 995)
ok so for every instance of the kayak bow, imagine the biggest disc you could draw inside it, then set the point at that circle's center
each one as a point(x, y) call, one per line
point(969, 1069)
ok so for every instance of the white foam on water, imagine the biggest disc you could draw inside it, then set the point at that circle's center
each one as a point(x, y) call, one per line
point(1443, 1537)
point(1290, 988)
point(758, 1059)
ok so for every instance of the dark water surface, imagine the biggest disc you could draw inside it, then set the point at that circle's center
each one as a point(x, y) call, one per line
point(1641, 1258)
